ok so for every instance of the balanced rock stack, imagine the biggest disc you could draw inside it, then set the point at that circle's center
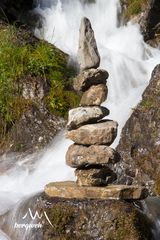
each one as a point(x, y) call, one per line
point(90, 154)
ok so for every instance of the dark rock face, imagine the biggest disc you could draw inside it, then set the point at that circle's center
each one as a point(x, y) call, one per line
point(16, 10)
point(94, 220)
point(152, 19)
point(36, 128)
point(140, 142)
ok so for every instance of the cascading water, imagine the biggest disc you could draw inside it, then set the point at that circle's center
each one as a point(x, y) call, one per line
point(129, 62)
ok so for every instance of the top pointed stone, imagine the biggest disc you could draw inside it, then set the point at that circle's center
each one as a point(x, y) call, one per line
point(88, 55)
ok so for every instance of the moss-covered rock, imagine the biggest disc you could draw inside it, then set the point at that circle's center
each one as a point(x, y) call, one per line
point(147, 14)
point(93, 220)
point(35, 89)
point(140, 141)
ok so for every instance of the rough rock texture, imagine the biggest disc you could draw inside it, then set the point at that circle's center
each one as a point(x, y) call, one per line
point(94, 96)
point(35, 129)
point(81, 156)
point(140, 142)
point(97, 176)
point(71, 190)
point(100, 133)
point(94, 220)
point(88, 55)
point(90, 77)
point(82, 115)
point(79, 219)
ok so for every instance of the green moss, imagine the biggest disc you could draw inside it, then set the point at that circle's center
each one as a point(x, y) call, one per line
point(130, 226)
point(17, 60)
point(157, 186)
point(59, 217)
point(134, 7)
point(146, 104)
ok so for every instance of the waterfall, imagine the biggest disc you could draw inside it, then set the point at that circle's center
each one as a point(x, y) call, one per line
point(123, 52)
point(124, 55)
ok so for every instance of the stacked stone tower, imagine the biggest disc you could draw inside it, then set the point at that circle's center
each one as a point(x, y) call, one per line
point(91, 154)
point(92, 135)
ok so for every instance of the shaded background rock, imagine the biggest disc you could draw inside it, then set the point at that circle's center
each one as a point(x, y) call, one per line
point(140, 139)
point(35, 129)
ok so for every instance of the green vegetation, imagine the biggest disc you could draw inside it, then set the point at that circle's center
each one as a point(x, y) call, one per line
point(157, 186)
point(131, 226)
point(60, 218)
point(42, 60)
point(134, 7)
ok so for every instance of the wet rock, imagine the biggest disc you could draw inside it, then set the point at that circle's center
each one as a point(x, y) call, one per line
point(101, 176)
point(94, 219)
point(79, 156)
point(94, 96)
point(88, 55)
point(100, 133)
point(90, 77)
point(82, 115)
point(139, 145)
point(71, 190)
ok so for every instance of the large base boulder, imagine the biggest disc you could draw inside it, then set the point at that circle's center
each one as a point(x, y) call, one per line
point(94, 220)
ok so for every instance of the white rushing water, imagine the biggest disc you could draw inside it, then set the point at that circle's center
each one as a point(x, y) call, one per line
point(124, 55)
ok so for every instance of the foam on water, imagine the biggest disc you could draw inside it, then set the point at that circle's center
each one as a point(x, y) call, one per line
point(129, 62)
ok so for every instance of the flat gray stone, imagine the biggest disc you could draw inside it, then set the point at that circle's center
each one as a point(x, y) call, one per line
point(102, 133)
point(70, 190)
point(79, 156)
point(83, 115)
point(88, 78)
point(88, 55)
point(94, 96)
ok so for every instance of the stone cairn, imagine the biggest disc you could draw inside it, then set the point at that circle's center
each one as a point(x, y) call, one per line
point(91, 153)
